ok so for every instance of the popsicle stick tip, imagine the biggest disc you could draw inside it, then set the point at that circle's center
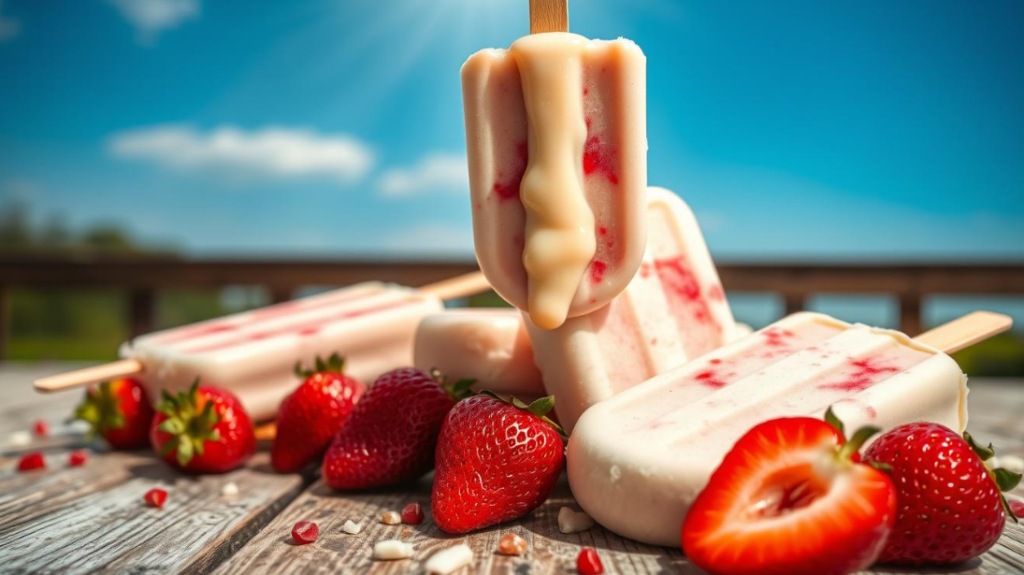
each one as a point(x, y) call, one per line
point(966, 331)
point(461, 286)
point(89, 375)
point(549, 16)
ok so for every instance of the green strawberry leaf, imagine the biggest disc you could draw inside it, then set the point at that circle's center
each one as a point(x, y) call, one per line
point(985, 453)
point(832, 419)
point(1006, 479)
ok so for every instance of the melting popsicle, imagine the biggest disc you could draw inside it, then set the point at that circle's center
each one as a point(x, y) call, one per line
point(557, 144)
point(637, 461)
point(254, 353)
point(487, 345)
point(674, 309)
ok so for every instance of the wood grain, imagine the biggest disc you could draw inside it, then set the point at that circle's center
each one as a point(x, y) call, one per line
point(91, 518)
point(549, 16)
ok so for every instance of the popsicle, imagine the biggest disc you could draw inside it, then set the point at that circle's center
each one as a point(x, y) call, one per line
point(253, 353)
point(556, 140)
point(674, 309)
point(488, 345)
point(636, 461)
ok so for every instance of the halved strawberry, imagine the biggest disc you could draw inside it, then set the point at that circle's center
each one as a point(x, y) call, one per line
point(789, 499)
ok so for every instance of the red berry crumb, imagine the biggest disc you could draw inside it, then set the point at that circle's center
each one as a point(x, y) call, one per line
point(588, 563)
point(41, 428)
point(32, 461)
point(78, 457)
point(305, 532)
point(412, 514)
point(156, 498)
point(1017, 507)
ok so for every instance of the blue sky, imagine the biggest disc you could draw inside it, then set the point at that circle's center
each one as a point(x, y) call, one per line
point(795, 129)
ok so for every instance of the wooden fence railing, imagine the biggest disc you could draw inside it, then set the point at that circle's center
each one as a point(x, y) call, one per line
point(794, 282)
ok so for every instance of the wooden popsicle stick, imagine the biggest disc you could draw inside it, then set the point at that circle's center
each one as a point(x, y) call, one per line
point(549, 16)
point(966, 331)
point(461, 286)
point(97, 373)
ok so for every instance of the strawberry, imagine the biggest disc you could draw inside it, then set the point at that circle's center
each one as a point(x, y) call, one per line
point(202, 430)
point(390, 435)
point(78, 458)
point(31, 462)
point(305, 532)
point(311, 416)
point(496, 461)
point(588, 562)
point(950, 505)
point(155, 498)
point(412, 514)
point(790, 499)
point(119, 412)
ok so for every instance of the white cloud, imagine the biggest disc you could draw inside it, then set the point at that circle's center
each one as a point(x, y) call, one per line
point(284, 153)
point(9, 27)
point(435, 172)
point(151, 17)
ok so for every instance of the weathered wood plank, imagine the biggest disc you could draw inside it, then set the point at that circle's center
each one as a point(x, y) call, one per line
point(93, 518)
point(77, 520)
point(993, 409)
point(549, 550)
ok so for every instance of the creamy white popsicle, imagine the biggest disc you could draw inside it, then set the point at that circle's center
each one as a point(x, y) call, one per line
point(488, 345)
point(557, 144)
point(253, 353)
point(673, 309)
point(637, 461)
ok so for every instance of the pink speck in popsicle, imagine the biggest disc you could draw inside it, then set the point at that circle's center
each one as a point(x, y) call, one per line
point(715, 293)
point(866, 374)
point(645, 270)
point(678, 277)
point(509, 188)
point(597, 269)
point(715, 361)
point(602, 230)
point(586, 90)
point(776, 337)
point(710, 379)
point(598, 159)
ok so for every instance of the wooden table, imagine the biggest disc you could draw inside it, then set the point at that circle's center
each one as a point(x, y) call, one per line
point(92, 519)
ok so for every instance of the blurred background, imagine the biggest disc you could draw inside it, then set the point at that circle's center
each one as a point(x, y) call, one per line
point(165, 161)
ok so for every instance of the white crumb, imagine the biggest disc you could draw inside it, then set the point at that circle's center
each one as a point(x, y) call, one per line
point(351, 527)
point(449, 560)
point(392, 549)
point(19, 439)
point(570, 521)
point(390, 518)
point(229, 489)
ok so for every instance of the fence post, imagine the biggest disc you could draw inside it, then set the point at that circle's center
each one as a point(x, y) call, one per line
point(794, 302)
point(910, 314)
point(5, 319)
point(141, 310)
point(278, 294)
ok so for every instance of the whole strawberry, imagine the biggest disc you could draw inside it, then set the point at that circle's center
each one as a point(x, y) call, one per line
point(389, 437)
point(202, 430)
point(119, 412)
point(496, 461)
point(950, 505)
point(311, 416)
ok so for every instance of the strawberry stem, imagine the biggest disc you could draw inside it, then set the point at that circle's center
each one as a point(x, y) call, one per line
point(858, 440)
